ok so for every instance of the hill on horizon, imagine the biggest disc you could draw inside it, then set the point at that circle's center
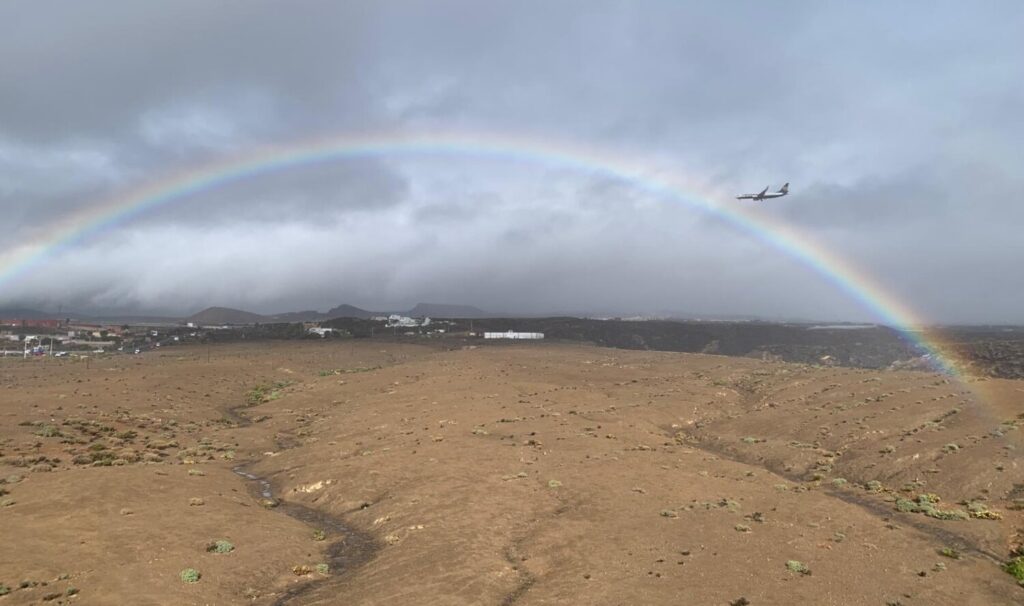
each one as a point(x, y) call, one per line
point(229, 315)
point(225, 315)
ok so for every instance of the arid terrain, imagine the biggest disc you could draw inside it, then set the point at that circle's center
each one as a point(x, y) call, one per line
point(359, 472)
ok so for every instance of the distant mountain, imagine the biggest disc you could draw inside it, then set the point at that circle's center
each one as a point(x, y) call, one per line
point(349, 311)
point(441, 310)
point(226, 315)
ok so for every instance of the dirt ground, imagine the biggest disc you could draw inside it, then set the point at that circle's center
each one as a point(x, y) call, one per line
point(394, 473)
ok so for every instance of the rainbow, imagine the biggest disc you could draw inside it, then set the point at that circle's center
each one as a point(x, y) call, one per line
point(678, 186)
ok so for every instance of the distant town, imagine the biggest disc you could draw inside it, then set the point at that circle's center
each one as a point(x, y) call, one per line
point(69, 337)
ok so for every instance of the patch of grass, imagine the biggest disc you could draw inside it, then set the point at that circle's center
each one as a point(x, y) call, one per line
point(190, 575)
point(950, 553)
point(798, 567)
point(1015, 568)
point(220, 546)
point(554, 483)
point(265, 392)
point(4, 589)
point(951, 447)
point(319, 535)
point(873, 486)
point(323, 569)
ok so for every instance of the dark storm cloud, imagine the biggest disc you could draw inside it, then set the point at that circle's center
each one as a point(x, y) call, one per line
point(896, 124)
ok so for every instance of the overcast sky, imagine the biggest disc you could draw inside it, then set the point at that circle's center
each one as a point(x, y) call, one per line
point(899, 126)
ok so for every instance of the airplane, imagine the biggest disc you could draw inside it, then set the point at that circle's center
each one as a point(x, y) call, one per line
point(764, 195)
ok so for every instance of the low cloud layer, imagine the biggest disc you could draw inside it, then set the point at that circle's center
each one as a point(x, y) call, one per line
point(897, 127)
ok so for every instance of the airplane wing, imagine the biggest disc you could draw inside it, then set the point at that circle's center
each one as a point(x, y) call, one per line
point(764, 191)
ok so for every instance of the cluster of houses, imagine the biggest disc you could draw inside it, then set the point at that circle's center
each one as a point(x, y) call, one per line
point(25, 337)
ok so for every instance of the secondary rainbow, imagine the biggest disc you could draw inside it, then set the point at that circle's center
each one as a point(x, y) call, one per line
point(675, 185)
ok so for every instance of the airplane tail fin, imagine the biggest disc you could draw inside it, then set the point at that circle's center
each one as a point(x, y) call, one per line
point(785, 189)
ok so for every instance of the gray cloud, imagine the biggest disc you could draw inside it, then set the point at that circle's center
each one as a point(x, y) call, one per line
point(897, 126)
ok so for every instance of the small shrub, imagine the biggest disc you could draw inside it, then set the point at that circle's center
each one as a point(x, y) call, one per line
point(319, 535)
point(977, 509)
point(301, 570)
point(798, 567)
point(951, 447)
point(48, 431)
point(4, 589)
point(837, 482)
point(951, 553)
point(926, 503)
point(323, 569)
point(873, 486)
point(190, 575)
point(220, 546)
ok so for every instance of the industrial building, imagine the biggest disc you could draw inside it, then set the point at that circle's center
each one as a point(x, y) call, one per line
point(513, 335)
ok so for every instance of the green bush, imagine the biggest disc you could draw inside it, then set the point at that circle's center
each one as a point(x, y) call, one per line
point(190, 575)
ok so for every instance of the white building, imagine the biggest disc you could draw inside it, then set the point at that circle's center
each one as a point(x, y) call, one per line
point(513, 335)
point(406, 322)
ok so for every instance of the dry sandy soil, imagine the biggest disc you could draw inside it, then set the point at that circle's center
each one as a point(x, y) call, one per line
point(536, 474)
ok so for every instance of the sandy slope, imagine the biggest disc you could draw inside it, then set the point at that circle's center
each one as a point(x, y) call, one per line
point(539, 474)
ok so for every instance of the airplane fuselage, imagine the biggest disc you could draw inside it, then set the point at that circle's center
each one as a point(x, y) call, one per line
point(765, 194)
